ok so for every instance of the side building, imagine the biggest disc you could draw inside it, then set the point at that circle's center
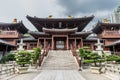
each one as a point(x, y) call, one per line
point(9, 34)
point(109, 33)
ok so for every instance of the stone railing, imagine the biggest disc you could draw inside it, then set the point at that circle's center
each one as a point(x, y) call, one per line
point(7, 70)
point(111, 34)
point(9, 34)
point(113, 68)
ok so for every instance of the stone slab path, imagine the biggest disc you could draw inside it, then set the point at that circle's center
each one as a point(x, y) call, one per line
point(59, 75)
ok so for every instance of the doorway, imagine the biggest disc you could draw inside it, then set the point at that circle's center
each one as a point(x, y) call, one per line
point(60, 43)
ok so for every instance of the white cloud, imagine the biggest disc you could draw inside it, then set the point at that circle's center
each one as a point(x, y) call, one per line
point(10, 9)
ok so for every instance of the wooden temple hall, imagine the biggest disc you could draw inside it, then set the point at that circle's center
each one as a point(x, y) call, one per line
point(61, 33)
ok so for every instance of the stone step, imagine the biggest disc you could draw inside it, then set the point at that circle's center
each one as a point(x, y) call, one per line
point(59, 68)
point(60, 60)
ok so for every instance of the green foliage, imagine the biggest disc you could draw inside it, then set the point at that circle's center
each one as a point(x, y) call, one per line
point(92, 61)
point(83, 53)
point(8, 57)
point(113, 58)
point(94, 56)
point(89, 56)
point(3, 60)
point(36, 54)
point(23, 57)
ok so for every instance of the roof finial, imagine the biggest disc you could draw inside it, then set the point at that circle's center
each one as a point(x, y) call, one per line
point(105, 20)
point(50, 16)
point(15, 20)
point(70, 16)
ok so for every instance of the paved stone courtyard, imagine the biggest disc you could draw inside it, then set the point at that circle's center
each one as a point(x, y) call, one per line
point(59, 65)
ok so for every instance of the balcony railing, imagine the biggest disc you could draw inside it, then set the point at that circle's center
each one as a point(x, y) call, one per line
point(9, 34)
point(110, 34)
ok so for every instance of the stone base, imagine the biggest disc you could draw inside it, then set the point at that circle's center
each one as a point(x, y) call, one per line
point(22, 70)
point(95, 70)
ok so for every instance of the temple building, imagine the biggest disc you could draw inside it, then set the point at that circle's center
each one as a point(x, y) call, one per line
point(110, 34)
point(9, 34)
point(61, 33)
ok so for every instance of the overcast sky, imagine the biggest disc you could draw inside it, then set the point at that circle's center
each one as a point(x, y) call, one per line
point(10, 9)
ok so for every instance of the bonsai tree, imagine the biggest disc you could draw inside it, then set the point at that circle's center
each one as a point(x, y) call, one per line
point(113, 58)
point(36, 54)
point(83, 54)
point(23, 57)
point(94, 56)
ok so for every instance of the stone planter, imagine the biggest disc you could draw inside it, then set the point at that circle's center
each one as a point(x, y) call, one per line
point(22, 70)
point(96, 70)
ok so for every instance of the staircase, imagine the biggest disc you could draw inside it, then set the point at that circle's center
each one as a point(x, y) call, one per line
point(60, 60)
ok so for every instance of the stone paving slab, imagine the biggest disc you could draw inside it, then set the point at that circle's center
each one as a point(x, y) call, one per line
point(25, 76)
point(90, 76)
point(59, 75)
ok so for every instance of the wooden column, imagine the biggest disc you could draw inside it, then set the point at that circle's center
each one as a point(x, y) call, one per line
point(81, 42)
point(38, 43)
point(28, 46)
point(67, 42)
point(92, 46)
point(44, 43)
point(52, 42)
point(75, 43)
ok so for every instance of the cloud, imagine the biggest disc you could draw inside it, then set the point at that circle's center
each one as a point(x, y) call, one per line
point(74, 7)
point(10, 9)
point(99, 8)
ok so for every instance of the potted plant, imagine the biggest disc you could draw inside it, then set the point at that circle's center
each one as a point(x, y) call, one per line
point(23, 59)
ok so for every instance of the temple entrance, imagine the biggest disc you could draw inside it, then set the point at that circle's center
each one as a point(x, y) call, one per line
point(60, 43)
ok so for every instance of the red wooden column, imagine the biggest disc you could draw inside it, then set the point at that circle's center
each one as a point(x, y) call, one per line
point(44, 43)
point(52, 42)
point(92, 46)
point(67, 41)
point(38, 43)
point(75, 43)
point(81, 42)
point(27, 44)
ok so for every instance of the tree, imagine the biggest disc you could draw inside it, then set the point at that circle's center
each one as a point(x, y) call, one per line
point(36, 54)
point(23, 57)
point(83, 53)
point(94, 56)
